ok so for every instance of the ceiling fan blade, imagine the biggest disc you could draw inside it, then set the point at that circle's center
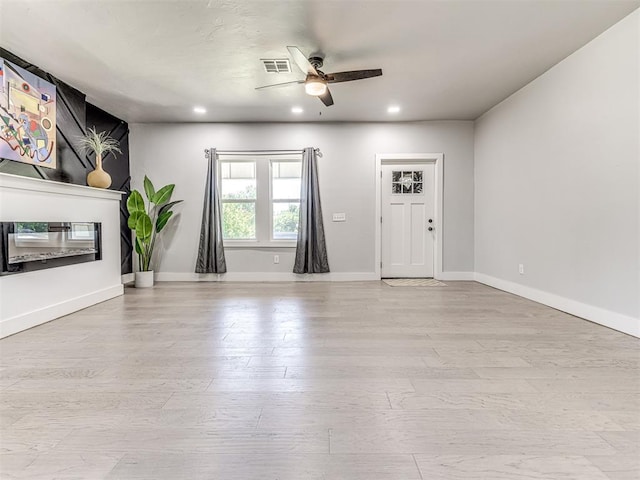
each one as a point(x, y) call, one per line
point(326, 98)
point(302, 61)
point(281, 84)
point(353, 75)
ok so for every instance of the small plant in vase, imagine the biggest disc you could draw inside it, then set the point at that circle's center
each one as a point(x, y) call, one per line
point(100, 143)
point(147, 220)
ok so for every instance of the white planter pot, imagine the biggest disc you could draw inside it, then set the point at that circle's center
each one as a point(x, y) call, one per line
point(144, 279)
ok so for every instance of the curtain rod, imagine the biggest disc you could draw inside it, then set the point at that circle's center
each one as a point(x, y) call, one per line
point(258, 152)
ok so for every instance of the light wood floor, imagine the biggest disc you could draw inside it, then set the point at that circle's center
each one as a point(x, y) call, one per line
point(339, 381)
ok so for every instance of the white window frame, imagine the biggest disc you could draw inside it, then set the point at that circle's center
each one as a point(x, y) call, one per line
point(273, 201)
point(240, 241)
point(264, 200)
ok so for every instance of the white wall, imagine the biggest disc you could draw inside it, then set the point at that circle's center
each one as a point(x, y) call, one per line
point(173, 153)
point(556, 183)
point(31, 298)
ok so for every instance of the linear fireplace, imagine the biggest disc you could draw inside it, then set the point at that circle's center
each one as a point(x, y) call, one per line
point(30, 246)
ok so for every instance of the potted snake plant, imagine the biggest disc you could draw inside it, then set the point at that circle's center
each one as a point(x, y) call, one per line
point(147, 220)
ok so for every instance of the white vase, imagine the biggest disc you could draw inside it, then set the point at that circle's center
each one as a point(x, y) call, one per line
point(144, 279)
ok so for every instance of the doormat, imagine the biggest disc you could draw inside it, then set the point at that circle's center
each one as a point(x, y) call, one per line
point(413, 282)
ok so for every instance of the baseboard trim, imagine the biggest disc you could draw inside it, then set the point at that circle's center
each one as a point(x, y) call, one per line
point(601, 316)
point(13, 325)
point(288, 277)
point(32, 319)
point(128, 278)
point(456, 276)
point(265, 277)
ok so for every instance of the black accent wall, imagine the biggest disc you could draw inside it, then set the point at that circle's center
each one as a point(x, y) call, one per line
point(118, 167)
point(73, 117)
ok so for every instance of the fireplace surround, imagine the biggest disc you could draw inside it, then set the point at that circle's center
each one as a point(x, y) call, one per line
point(32, 297)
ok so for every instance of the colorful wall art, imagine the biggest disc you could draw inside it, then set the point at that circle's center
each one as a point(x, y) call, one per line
point(27, 117)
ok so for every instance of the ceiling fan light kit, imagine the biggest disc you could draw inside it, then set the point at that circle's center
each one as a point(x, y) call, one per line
point(315, 87)
point(316, 81)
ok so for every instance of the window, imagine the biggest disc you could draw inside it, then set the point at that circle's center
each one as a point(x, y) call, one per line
point(285, 199)
point(238, 195)
point(406, 182)
point(260, 200)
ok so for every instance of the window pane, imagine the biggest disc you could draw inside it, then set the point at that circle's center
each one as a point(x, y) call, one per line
point(289, 169)
point(286, 189)
point(239, 220)
point(285, 180)
point(241, 188)
point(285, 220)
point(238, 180)
point(238, 169)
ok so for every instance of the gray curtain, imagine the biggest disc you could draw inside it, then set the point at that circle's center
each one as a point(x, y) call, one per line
point(211, 251)
point(311, 251)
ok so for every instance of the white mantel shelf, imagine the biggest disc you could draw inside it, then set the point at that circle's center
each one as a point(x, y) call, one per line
point(31, 298)
point(48, 186)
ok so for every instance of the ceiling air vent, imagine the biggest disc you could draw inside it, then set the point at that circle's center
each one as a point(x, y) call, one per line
point(276, 65)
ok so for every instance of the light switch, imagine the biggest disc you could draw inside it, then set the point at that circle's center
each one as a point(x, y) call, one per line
point(339, 217)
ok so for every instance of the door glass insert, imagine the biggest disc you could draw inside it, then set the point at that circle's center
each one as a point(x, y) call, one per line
point(406, 182)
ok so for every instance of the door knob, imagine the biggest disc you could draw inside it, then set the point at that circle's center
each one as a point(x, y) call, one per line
point(430, 229)
point(431, 220)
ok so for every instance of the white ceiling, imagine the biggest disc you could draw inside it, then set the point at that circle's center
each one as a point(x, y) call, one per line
point(153, 60)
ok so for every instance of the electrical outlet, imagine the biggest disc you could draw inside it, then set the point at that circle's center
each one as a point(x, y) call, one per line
point(276, 259)
point(521, 268)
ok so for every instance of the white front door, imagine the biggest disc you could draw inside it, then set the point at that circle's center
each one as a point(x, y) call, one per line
point(408, 223)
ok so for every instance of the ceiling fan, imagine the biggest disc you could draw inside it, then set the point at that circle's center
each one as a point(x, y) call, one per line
point(316, 82)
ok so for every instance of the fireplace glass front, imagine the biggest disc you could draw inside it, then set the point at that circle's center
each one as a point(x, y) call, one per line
point(29, 246)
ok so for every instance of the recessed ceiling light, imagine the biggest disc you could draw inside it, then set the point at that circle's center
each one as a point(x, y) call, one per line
point(393, 109)
point(297, 110)
point(199, 109)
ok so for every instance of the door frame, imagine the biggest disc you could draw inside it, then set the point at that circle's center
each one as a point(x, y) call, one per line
point(437, 159)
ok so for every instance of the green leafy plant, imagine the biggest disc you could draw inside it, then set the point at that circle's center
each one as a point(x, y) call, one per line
point(147, 220)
